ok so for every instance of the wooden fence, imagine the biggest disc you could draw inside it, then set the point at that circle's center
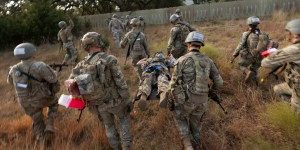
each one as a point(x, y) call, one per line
point(204, 12)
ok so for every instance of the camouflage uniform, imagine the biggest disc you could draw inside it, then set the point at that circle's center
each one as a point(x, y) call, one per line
point(143, 24)
point(109, 97)
point(116, 27)
point(176, 45)
point(139, 49)
point(155, 72)
point(38, 94)
point(288, 56)
point(127, 24)
point(189, 88)
point(249, 48)
point(66, 38)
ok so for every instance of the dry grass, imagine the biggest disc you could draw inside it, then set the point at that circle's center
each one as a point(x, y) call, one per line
point(243, 128)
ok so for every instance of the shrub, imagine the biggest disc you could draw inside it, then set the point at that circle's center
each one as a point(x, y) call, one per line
point(281, 115)
point(211, 51)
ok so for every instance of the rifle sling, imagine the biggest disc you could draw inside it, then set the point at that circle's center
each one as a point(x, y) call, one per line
point(130, 46)
point(93, 55)
point(29, 75)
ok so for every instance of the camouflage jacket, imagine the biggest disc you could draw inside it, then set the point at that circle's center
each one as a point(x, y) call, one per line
point(185, 71)
point(109, 84)
point(177, 37)
point(37, 89)
point(115, 24)
point(139, 47)
point(150, 63)
point(288, 57)
point(251, 44)
point(65, 35)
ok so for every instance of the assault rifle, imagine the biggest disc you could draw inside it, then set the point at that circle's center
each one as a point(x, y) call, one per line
point(215, 96)
point(59, 66)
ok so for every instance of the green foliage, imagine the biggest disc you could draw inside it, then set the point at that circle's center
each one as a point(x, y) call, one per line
point(211, 51)
point(36, 23)
point(281, 115)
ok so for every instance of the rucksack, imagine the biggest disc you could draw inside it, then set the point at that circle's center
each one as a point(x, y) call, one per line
point(257, 43)
point(184, 31)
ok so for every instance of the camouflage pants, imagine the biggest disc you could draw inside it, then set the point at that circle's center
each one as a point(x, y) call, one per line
point(188, 118)
point(250, 67)
point(108, 118)
point(35, 111)
point(117, 35)
point(135, 60)
point(284, 91)
point(151, 78)
point(71, 54)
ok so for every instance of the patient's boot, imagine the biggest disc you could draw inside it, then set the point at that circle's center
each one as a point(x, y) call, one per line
point(143, 102)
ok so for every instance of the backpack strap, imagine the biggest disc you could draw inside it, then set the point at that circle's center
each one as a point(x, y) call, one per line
point(134, 40)
point(28, 74)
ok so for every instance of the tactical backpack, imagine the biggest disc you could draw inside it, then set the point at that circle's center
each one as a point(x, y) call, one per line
point(197, 93)
point(184, 31)
point(90, 77)
point(25, 82)
point(256, 43)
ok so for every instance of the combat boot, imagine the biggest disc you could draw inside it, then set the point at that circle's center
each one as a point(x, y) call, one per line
point(250, 76)
point(143, 102)
point(163, 100)
point(187, 144)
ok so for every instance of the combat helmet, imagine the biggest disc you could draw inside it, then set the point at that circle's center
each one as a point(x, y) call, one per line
point(195, 37)
point(141, 17)
point(93, 39)
point(293, 26)
point(159, 55)
point(174, 18)
point(253, 20)
point(114, 16)
point(135, 22)
point(24, 51)
point(62, 24)
point(178, 12)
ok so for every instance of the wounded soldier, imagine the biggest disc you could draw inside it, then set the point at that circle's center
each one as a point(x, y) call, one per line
point(155, 78)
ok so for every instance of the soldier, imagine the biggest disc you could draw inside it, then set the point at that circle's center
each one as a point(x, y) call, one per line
point(36, 85)
point(288, 60)
point(143, 24)
point(127, 23)
point(155, 73)
point(178, 12)
point(189, 89)
point(252, 43)
point(66, 38)
point(102, 85)
point(138, 47)
point(178, 33)
point(116, 27)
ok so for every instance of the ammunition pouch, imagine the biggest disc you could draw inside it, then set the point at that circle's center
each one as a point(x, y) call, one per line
point(179, 94)
point(85, 84)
